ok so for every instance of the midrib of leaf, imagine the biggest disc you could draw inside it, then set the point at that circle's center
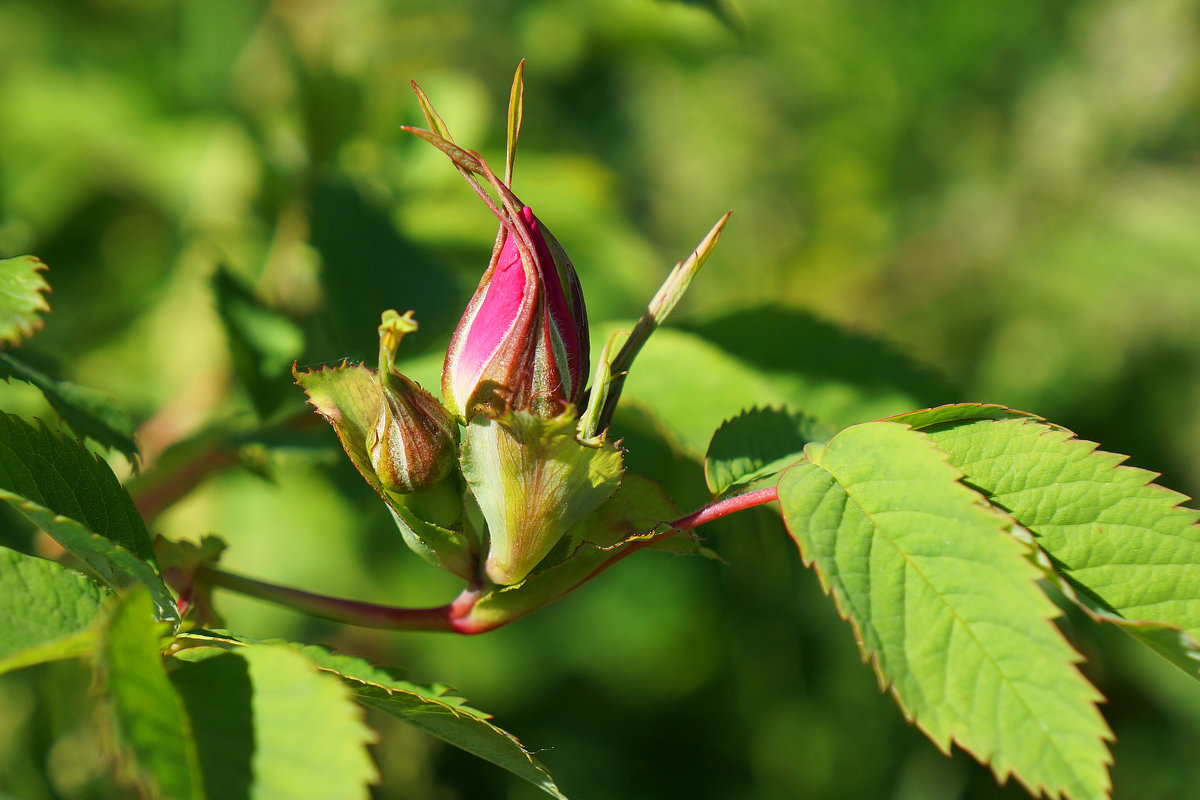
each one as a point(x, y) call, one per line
point(960, 622)
point(843, 537)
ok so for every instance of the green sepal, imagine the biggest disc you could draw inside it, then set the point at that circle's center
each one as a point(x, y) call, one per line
point(634, 518)
point(347, 396)
point(533, 480)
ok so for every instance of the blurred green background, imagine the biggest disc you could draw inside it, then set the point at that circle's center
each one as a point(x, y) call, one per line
point(1006, 193)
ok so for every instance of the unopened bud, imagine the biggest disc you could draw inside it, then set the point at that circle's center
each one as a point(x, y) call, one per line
point(411, 445)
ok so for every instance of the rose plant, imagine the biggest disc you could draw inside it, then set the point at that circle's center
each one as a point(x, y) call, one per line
point(937, 532)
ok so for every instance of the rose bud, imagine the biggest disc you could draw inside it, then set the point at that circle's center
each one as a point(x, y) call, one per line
point(411, 445)
point(523, 341)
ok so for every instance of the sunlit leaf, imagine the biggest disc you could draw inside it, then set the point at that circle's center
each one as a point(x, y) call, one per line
point(88, 412)
point(22, 300)
point(46, 611)
point(946, 605)
point(73, 496)
point(270, 725)
point(430, 708)
point(153, 729)
point(1125, 543)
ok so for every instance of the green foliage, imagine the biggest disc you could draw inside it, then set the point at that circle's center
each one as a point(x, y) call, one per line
point(88, 412)
point(946, 606)
point(1128, 550)
point(255, 740)
point(46, 611)
point(755, 446)
point(72, 495)
point(22, 300)
point(154, 731)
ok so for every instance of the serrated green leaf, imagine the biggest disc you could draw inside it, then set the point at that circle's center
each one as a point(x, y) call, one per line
point(270, 725)
point(428, 708)
point(88, 412)
point(1125, 544)
point(756, 446)
point(22, 299)
point(46, 611)
point(74, 496)
point(152, 727)
point(263, 342)
point(946, 605)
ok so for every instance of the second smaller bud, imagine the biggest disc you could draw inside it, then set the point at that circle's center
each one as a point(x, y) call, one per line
point(412, 444)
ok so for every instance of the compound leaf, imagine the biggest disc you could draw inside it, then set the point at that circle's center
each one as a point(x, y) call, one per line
point(945, 603)
point(1124, 543)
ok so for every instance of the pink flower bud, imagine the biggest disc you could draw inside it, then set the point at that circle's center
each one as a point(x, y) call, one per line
point(523, 341)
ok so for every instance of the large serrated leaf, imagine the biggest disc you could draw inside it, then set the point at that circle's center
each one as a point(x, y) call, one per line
point(1124, 543)
point(88, 412)
point(756, 446)
point(73, 496)
point(152, 727)
point(22, 299)
point(430, 708)
point(270, 725)
point(946, 605)
point(46, 611)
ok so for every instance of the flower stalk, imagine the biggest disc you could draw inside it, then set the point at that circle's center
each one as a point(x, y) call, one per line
point(455, 616)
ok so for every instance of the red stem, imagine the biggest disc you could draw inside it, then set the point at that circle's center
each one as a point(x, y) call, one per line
point(726, 507)
point(455, 616)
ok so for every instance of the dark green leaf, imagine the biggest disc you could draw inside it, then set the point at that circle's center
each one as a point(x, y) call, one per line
point(88, 412)
point(946, 604)
point(72, 495)
point(46, 611)
point(263, 342)
point(152, 726)
point(755, 446)
point(22, 299)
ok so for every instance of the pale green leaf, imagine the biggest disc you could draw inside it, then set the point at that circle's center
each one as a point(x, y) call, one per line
point(152, 727)
point(756, 446)
point(22, 299)
point(88, 412)
point(46, 611)
point(74, 496)
point(270, 725)
point(946, 605)
point(1124, 543)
